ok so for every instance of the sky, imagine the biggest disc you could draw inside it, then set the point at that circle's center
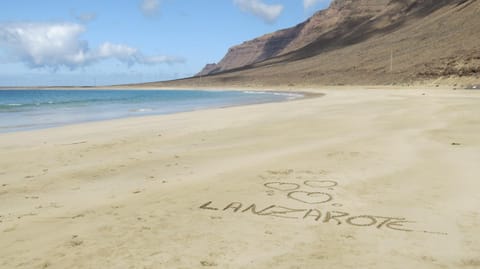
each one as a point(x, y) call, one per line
point(107, 42)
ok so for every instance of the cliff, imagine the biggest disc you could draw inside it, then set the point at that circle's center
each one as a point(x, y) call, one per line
point(361, 42)
point(291, 39)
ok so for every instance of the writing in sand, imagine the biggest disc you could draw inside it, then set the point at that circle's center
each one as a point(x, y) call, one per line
point(309, 195)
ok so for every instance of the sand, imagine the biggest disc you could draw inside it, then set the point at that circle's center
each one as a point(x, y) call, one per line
point(355, 179)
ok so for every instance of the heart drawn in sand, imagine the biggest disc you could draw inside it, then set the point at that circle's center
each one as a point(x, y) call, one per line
point(282, 186)
point(321, 183)
point(310, 197)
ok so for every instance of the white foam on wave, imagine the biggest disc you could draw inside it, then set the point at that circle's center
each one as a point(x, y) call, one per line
point(293, 95)
point(289, 95)
point(142, 110)
point(255, 92)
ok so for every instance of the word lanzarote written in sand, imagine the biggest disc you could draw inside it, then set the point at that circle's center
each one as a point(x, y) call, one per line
point(308, 195)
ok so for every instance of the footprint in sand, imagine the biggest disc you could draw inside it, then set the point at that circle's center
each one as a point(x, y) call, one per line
point(208, 263)
point(75, 241)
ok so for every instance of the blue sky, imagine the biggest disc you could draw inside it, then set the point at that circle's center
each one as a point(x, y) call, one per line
point(93, 42)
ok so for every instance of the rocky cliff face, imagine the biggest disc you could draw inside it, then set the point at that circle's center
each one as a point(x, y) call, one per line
point(254, 51)
point(285, 41)
point(356, 42)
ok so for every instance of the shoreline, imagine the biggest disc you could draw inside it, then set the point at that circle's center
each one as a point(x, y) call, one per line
point(289, 97)
point(287, 88)
point(355, 178)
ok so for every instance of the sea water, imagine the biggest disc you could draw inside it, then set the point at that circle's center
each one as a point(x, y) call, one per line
point(22, 110)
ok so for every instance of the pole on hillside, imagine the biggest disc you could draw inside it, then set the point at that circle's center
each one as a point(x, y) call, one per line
point(391, 61)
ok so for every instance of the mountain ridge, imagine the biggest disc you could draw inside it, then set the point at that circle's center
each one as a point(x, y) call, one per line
point(362, 41)
point(290, 39)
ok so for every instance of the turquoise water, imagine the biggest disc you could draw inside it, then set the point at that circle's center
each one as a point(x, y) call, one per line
point(37, 109)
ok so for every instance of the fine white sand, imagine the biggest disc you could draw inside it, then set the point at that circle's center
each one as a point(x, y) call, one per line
point(355, 179)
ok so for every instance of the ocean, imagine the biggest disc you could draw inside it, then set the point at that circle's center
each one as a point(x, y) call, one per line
point(22, 110)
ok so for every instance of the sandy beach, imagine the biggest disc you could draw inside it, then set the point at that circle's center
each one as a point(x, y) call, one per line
point(354, 179)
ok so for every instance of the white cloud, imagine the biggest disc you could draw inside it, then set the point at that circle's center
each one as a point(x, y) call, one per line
point(268, 13)
point(160, 59)
point(56, 45)
point(150, 7)
point(121, 52)
point(45, 44)
point(131, 55)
